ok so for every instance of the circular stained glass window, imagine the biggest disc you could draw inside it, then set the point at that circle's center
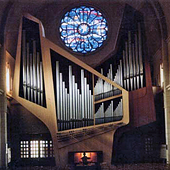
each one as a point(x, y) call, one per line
point(83, 29)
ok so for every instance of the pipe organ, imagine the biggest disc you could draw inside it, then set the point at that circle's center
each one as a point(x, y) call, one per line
point(31, 81)
point(83, 97)
point(133, 61)
point(130, 70)
point(126, 69)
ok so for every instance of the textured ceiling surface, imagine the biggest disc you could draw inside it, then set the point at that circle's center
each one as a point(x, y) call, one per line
point(50, 13)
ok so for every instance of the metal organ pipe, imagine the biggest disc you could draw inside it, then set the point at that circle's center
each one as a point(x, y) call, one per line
point(58, 90)
point(31, 76)
point(38, 77)
point(76, 100)
point(41, 84)
point(66, 109)
point(28, 72)
point(140, 55)
point(70, 92)
point(85, 97)
point(125, 70)
point(134, 65)
point(61, 99)
point(127, 64)
point(82, 92)
point(130, 60)
point(24, 62)
point(64, 103)
point(73, 90)
point(78, 104)
point(34, 72)
point(121, 74)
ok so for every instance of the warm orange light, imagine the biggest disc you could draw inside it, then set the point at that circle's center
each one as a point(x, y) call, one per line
point(91, 155)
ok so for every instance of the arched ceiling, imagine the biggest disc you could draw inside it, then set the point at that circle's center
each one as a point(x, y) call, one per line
point(51, 11)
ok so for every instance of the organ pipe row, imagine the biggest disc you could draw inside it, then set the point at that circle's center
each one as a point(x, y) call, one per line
point(74, 105)
point(130, 70)
point(103, 89)
point(129, 75)
point(109, 114)
point(74, 92)
point(133, 61)
point(32, 71)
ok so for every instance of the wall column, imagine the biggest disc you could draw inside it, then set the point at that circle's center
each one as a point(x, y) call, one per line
point(3, 99)
point(3, 109)
point(167, 98)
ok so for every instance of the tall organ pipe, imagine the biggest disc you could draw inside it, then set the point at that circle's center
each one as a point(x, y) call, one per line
point(34, 72)
point(73, 95)
point(31, 76)
point(82, 93)
point(127, 65)
point(134, 65)
point(125, 70)
point(24, 62)
point(130, 60)
point(41, 84)
point(38, 77)
point(61, 101)
point(137, 60)
point(58, 90)
point(70, 91)
point(85, 96)
point(140, 54)
point(28, 72)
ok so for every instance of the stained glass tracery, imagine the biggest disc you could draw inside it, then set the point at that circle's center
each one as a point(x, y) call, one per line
point(83, 29)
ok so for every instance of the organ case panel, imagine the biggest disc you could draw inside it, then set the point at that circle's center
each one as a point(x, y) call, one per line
point(77, 87)
point(31, 68)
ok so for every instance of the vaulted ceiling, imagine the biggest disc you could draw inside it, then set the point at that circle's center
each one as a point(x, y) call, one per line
point(50, 13)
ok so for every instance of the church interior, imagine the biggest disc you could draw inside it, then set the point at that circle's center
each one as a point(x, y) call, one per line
point(84, 83)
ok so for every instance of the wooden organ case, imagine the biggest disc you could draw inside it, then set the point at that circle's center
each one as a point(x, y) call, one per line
point(130, 68)
point(77, 102)
point(63, 92)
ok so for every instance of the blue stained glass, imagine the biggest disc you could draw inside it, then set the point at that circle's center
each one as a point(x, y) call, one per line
point(83, 29)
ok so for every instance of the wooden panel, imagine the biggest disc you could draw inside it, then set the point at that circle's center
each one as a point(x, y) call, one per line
point(142, 109)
